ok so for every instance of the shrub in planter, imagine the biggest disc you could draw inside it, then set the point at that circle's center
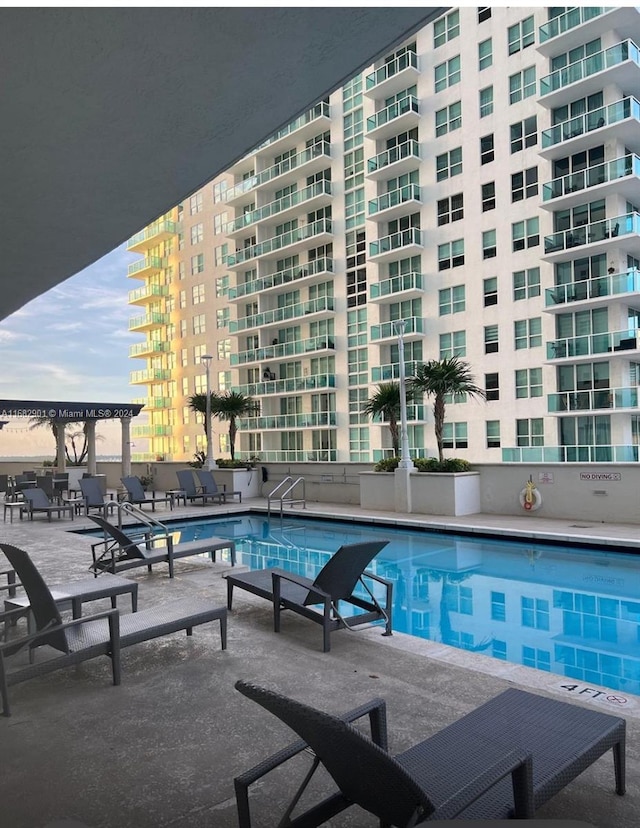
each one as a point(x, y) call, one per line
point(223, 463)
point(450, 464)
point(387, 464)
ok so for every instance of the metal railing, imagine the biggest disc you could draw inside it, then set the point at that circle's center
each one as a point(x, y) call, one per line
point(287, 496)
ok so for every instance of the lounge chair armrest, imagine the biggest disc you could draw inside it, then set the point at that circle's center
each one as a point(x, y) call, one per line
point(14, 645)
point(378, 578)
point(282, 575)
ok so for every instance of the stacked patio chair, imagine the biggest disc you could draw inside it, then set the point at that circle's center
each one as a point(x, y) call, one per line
point(209, 486)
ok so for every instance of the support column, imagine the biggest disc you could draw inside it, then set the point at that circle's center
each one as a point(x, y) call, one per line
point(126, 446)
point(403, 489)
point(61, 461)
point(91, 446)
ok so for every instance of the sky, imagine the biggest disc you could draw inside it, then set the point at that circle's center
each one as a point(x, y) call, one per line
point(71, 344)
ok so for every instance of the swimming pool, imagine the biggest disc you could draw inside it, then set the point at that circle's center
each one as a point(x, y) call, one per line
point(567, 610)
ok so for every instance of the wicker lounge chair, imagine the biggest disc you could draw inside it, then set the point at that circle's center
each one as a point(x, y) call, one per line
point(336, 582)
point(121, 551)
point(37, 501)
point(93, 497)
point(104, 633)
point(187, 484)
point(208, 485)
point(505, 759)
point(137, 495)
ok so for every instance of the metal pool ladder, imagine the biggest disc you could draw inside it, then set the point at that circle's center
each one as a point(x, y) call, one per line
point(287, 496)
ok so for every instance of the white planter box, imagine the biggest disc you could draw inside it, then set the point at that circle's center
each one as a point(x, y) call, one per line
point(246, 481)
point(431, 493)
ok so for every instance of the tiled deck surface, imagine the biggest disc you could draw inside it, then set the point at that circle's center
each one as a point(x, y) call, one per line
point(162, 749)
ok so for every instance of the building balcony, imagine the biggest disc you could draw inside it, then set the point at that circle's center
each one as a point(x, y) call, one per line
point(619, 120)
point(148, 348)
point(573, 348)
point(594, 292)
point(147, 294)
point(318, 232)
point(406, 243)
point(154, 402)
point(395, 203)
point(311, 123)
point(618, 65)
point(149, 431)
point(145, 267)
point(312, 272)
point(398, 117)
point(303, 456)
point(414, 329)
point(150, 375)
point(391, 371)
point(287, 386)
point(395, 161)
point(317, 195)
point(155, 233)
point(319, 308)
point(599, 236)
point(570, 454)
point(148, 321)
point(620, 176)
point(408, 285)
point(394, 76)
point(285, 349)
point(316, 419)
point(594, 399)
point(582, 24)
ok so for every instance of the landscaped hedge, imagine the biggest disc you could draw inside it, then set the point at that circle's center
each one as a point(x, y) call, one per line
point(426, 464)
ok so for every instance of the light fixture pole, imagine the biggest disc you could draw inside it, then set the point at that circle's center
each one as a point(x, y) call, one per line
point(405, 458)
point(210, 463)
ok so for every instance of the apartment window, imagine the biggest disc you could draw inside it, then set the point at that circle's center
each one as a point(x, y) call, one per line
point(222, 317)
point(484, 13)
point(184, 357)
point(447, 73)
point(182, 270)
point(197, 233)
point(492, 386)
point(169, 304)
point(488, 196)
point(197, 294)
point(446, 28)
point(486, 101)
point(492, 430)
point(528, 333)
point(524, 134)
point(485, 54)
point(454, 435)
point(451, 300)
point(491, 339)
point(490, 289)
point(453, 344)
point(524, 184)
point(530, 432)
point(195, 204)
point(451, 254)
point(220, 254)
point(521, 35)
point(199, 326)
point(224, 348)
point(197, 264)
point(488, 244)
point(219, 192)
point(450, 209)
point(219, 223)
point(526, 283)
point(449, 164)
point(222, 286)
point(522, 84)
point(224, 381)
point(449, 119)
point(486, 149)
point(525, 234)
point(535, 613)
point(528, 383)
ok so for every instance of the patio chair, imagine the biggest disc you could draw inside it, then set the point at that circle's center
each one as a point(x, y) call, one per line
point(319, 599)
point(37, 501)
point(209, 486)
point(104, 633)
point(503, 760)
point(121, 551)
point(93, 497)
point(187, 483)
point(137, 495)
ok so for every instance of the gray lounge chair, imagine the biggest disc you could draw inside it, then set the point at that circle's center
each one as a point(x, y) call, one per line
point(93, 497)
point(137, 495)
point(208, 485)
point(104, 633)
point(187, 484)
point(37, 501)
point(336, 582)
point(505, 759)
point(121, 551)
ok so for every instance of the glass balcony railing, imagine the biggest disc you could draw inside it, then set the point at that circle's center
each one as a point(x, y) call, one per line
point(391, 371)
point(595, 232)
point(414, 324)
point(410, 192)
point(320, 150)
point(282, 277)
point(281, 204)
point(148, 263)
point(271, 317)
point(596, 119)
point(148, 320)
point(396, 241)
point(610, 285)
point(621, 167)
point(392, 68)
point(149, 375)
point(287, 386)
point(307, 231)
point(581, 69)
point(314, 419)
point(148, 292)
point(292, 456)
point(570, 454)
point(153, 232)
point(150, 346)
point(151, 431)
point(590, 344)
point(408, 149)
point(569, 20)
point(285, 349)
point(154, 402)
point(393, 111)
point(320, 110)
point(614, 398)
point(395, 284)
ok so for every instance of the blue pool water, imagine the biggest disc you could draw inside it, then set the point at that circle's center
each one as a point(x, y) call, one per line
point(568, 610)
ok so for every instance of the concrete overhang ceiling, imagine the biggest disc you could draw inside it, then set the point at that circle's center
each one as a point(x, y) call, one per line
point(111, 116)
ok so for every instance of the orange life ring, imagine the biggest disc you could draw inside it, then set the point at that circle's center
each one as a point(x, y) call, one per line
point(530, 498)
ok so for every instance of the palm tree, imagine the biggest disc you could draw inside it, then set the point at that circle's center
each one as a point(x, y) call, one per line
point(198, 403)
point(439, 377)
point(80, 449)
point(385, 403)
point(229, 406)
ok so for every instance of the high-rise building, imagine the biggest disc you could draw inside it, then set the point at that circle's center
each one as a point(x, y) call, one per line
point(479, 183)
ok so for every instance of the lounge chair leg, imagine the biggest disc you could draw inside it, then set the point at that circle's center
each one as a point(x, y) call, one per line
point(229, 595)
point(223, 630)
point(189, 630)
point(619, 767)
point(4, 690)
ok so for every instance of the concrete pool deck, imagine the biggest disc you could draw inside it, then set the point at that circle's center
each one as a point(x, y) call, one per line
point(162, 749)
